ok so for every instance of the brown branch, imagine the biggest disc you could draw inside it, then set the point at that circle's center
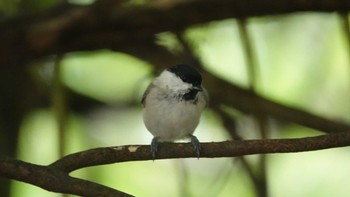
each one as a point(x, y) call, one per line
point(110, 24)
point(234, 148)
point(55, 177)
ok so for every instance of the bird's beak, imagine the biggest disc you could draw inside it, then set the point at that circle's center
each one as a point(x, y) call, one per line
point(198, 88)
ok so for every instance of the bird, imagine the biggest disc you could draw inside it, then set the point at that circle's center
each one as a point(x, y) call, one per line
point(173, 103)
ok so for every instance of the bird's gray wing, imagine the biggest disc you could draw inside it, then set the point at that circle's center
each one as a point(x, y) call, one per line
point(143, 100)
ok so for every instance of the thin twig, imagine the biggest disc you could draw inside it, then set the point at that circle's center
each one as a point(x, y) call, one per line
point(228, 123)
point(345, 27)
point(58, 99)
point(259, 179)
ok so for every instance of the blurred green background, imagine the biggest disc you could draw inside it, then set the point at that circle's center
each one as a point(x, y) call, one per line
point(302, 61)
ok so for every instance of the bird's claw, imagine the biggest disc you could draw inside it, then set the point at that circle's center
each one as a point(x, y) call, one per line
point(194, 141)
point(154, 147)
point(196, 145)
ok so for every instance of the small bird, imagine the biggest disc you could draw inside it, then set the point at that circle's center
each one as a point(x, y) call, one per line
point(173, 104)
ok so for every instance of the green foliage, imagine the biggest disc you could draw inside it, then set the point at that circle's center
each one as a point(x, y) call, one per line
point(12, 7)
point(8, 7)
point(104, 75)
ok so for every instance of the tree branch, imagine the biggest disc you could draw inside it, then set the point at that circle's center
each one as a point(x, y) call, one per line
point(248, 101)
point(110, 24)
point(234, 148)
point(241, 99)
point(55, 177)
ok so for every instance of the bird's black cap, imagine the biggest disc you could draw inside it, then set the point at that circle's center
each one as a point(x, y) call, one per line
point(187, 73)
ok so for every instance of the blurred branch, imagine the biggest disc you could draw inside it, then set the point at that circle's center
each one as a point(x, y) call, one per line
point(247, 101)
point(229, 124)
point(112, 24)
point(345, 27)
point(244, 100)
point(58, 100)
point(259, 180)
point(131, 29)
point(249, 56)
point(55, 177)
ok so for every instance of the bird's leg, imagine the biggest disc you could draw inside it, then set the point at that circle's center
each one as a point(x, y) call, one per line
point(154, 147)
point(196, 145)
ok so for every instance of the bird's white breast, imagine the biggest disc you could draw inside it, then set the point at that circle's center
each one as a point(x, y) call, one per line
point(171, 119)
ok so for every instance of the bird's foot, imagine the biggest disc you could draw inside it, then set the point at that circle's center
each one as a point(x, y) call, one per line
point(154, 147)
point(196, 145)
